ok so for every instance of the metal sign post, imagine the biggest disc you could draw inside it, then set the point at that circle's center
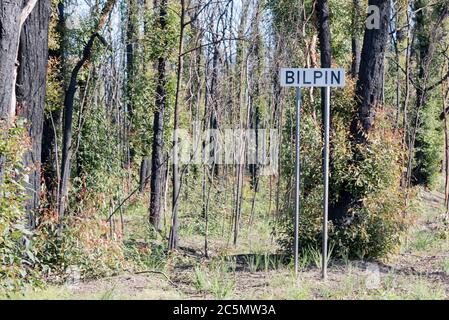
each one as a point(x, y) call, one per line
point(297, 167)
point(318, 77)
point(326, 178)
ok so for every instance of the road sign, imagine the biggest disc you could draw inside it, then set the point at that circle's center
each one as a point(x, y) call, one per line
point(318, 77)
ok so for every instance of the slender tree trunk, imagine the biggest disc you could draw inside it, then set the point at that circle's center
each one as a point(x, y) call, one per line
point(143, 174)
point(446, 154)
point(131, 40)
point(324, 35)
point(157, 156)
point(355, 41)
point(173, 241)
point(52, 121)
point(69, 99)
point(256, 99)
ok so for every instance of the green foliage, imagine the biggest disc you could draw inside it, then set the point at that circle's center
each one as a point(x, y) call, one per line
point(17, 255)
point(214, 280)
point(429, 140)
point(84, 244)
point(370, 173)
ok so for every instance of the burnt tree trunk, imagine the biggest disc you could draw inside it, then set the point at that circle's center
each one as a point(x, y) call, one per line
point(30, 93)
point(370, 85)
point(254, 166)
point(52, 121)
point(324, 35)
point(68, 108)
point(174, 236)
point(130, 49)
point(157, 156)
point(368, 94)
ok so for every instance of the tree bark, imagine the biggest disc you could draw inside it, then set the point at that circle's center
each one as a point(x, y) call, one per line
point(52, 121)
point(369, 85)
point(324, 35)
point(130, 49)
point(368, 95)
point(143, 174)
point(355, 41)
point(30, 93)
point(174, 238)
point(157, 156)
point(10, 12)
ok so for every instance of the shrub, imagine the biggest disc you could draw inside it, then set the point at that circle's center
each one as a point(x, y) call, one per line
point(374, 224)
point(17, 256)
point(84, 244)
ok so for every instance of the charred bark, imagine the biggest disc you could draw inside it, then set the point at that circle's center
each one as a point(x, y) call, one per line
point(52, 121)
point(369, 96)
point(157, 156)
point(30, 93)
point(370, 85)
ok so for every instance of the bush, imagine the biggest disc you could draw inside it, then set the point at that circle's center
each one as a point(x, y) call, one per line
point(374, 224)
point(84, 244)
point(17, 256)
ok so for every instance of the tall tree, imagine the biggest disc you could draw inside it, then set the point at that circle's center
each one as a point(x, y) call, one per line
point(368, 93)
point(324, 35)
point(52, 118)
point(370, 83)
point(30, 92)
point(131, 42)
point(157, 156)
point(173, 241)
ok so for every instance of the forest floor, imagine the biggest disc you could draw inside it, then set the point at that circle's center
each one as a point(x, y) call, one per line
point(251, 271)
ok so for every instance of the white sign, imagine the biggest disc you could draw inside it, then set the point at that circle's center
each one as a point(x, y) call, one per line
point(319, 77)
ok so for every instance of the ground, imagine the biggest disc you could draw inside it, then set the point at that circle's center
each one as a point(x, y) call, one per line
point(419, 271)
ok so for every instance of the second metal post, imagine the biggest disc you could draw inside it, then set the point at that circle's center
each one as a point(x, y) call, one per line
point(326, 179)
point(297, 168)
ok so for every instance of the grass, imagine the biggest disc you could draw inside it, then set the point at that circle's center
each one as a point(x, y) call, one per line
point(215, 281)
point(422, 240)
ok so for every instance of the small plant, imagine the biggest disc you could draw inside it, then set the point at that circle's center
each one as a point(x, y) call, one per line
point(315, 255)
point(255, 262)
point(422, 241)
point(214, 281)
point(201, 279)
